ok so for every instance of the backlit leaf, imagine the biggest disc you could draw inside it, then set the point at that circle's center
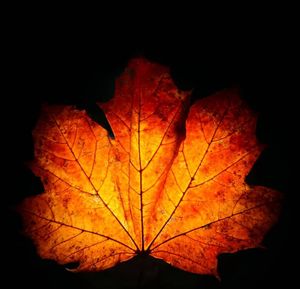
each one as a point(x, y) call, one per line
point(171, 183)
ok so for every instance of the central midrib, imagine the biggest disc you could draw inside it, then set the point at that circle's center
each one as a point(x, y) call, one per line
point(140, 172)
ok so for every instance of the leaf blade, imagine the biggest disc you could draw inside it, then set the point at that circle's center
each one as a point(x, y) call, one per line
point(170, 182)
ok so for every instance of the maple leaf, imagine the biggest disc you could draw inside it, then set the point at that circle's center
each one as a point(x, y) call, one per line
point(171, 183)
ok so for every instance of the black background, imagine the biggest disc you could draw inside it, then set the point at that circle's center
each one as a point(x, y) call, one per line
point(75, 66)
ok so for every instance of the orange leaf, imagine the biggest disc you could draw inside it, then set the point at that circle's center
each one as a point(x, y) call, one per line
point(169, 184)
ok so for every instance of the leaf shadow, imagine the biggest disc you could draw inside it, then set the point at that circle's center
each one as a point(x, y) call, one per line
point(143, 272)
